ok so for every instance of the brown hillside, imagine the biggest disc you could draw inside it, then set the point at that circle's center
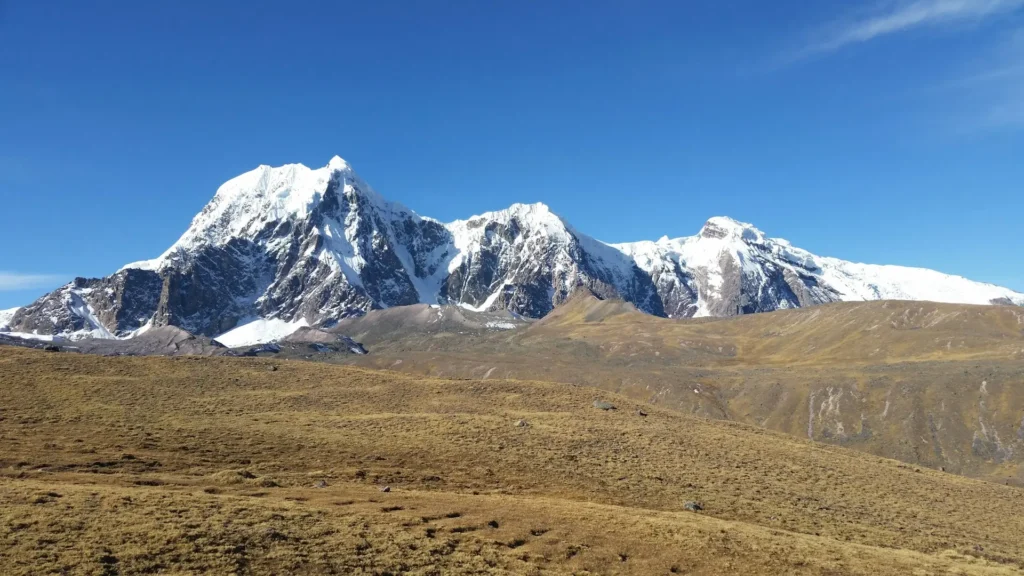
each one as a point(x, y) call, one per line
point(930, 384)
point(858, 332)
point(225, 465)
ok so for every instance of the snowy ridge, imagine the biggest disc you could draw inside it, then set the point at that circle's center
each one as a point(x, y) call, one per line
point(878, 282)
point(280, 247)
point(728, 253)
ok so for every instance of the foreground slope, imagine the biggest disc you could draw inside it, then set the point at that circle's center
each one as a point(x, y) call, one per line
point(293, 246)
point(938, 385)
point(221, 465)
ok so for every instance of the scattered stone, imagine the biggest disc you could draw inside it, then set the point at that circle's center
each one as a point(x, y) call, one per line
point(493, 524)
point(641, 413)
point(272, 533)
point(693, 506)
point(273, 368)
point(522, 423)
point(386, 489)
point(267, 482)
point(602, 405)
point(321, 484)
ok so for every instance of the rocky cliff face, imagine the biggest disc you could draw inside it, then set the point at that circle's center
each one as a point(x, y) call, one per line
point(108, 307)
point(526, 259)
point(315, 246)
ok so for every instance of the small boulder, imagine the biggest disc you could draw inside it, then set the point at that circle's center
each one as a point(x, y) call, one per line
point(522, 423)
point(641, 413)
point(602, 405)
point(693, 506)
point(272, 533)
point(386, 489)
point(321, 484)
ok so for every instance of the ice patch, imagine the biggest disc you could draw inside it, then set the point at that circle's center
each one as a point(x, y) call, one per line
point(487, 303)
point(82, 309)
point(259, 331)
point(5, 318)
point(499, 325)
point(31, 336)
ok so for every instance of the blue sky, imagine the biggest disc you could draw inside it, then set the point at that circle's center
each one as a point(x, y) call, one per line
point(884, 132)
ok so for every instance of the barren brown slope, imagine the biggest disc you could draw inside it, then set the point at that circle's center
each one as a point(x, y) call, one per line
point(843, 333)
point(208, 465)
point(931, 384)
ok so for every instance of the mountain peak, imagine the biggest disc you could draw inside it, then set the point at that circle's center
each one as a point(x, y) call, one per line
point(294, 243)
point(535, 208)
point(338, 163)
point(537, 215)
point(721, 227)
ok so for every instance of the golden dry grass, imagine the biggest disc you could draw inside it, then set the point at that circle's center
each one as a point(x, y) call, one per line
point(841, 333)
point(937, 385)
point(190, 466)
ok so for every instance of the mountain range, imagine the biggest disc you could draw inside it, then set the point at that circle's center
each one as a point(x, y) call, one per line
point(282, 247)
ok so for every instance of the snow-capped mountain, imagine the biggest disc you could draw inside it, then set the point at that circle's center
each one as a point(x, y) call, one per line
point(293, 246)
point(732, 268)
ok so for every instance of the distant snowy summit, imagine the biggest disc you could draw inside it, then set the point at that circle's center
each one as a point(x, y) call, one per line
point(292, 246)
point(732, 268)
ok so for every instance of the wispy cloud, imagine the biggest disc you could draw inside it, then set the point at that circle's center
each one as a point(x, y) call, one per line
point(986, 94)
point(897, 16)
point(10, 281)
point(991, 92)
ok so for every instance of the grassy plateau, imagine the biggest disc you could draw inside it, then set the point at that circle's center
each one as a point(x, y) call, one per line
point(193, 465)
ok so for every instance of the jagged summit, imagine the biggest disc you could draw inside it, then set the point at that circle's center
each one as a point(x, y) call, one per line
point(723, 227)
point(293, 246)
point(338, 163)
point(257, 203)
point(536, 216)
